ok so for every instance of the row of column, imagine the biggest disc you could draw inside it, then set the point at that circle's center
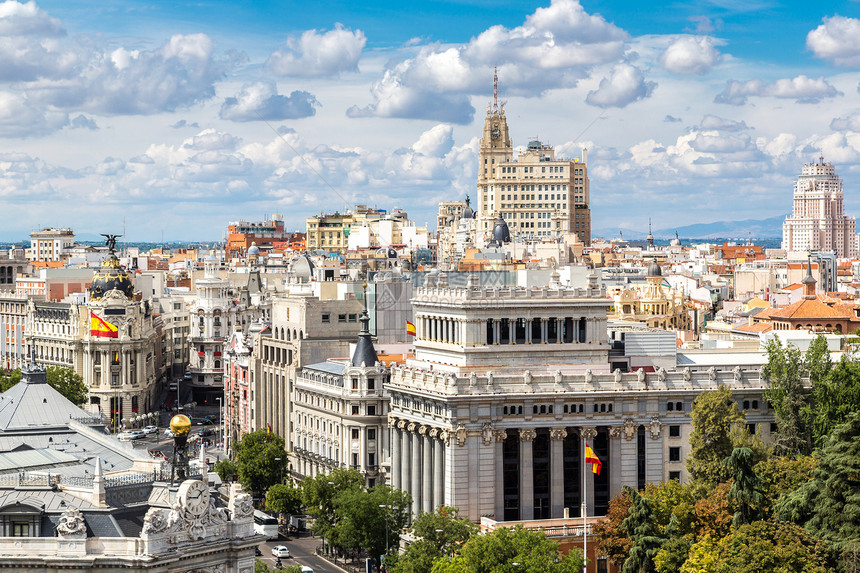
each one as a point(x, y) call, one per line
point(526, 471)
point(417, 463)
point(440, 329)
point(565, 329)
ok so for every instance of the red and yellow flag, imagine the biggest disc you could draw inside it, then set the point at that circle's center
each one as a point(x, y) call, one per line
point(591, 458)
point(410, 328)
point(99, 327)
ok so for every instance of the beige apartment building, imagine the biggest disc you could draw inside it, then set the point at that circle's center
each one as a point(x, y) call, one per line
point(537, 194)
point(818, 221)
point(49, 244)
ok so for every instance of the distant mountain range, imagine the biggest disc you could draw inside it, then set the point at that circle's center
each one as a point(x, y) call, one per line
point(756, 228)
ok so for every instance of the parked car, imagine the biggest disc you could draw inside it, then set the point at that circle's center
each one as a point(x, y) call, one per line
point(280, 551)
point(150, 430)
point(206, 432)
point(136, 434)
point(168, 433)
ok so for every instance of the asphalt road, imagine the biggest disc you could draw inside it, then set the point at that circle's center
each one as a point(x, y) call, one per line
point(302, 551)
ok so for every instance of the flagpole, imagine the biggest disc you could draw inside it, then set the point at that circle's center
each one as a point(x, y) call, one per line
point(584, 510)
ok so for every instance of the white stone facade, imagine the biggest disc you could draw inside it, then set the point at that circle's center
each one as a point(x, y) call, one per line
point(818, 221)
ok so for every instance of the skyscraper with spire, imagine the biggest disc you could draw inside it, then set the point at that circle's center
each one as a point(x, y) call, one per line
point(818, 221)
point(536, 194)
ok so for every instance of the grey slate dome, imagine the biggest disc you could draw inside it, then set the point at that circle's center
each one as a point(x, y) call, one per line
point(302, 267)
point(468, 213)
point(110, 277)
point(253, 249)
point(654, 270)
point(501, 233)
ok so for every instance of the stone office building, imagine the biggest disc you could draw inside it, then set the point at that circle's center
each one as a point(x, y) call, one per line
point(491, 420)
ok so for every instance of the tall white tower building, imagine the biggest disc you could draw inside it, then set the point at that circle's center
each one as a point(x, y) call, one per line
point(818, 222)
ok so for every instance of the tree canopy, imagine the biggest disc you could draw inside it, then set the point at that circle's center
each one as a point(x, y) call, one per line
point(284, 498)
point(439, 534)
point(261, 460)
point(507, 550)
point(828, 505)
point(717, 430)
point(644, 534)
point(785, 371)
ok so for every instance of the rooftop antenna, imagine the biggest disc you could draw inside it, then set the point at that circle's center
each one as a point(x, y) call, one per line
point(495, 89)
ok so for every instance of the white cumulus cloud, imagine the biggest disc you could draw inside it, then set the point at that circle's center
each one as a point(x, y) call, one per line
point(624, 86)
point(319, 54)
point(690, 55)
point(837, 39)
point(261, 100)
point(555, 47)
point(435, 142)
point(801, 88)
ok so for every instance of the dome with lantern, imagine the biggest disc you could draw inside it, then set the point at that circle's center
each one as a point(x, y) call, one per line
point(111, 278)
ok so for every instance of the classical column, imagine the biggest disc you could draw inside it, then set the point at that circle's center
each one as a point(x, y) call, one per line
point(544, 331)
point(438, 473)
point(394, 439)
point(426, 486)
point(415, 489)
point(527, 493)
point(528, 331)
point(404, 456)
point(588, 433)
point(499, 436)
point(497, 329)
point(556, 472)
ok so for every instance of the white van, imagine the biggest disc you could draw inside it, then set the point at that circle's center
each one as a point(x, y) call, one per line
point(306, 569)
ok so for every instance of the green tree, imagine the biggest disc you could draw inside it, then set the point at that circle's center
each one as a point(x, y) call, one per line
point(716, 420)
point(68, 383)
point(318, 495)
point(785, 371)
point(828, 505)
point(782, 475)
point(369, 519)
point(261, 460)
point(771, 546)
point(9, 379)
point(644, 533)
point(226, 469)
point(439, 534)
point(835, 397)
point(284, 498)
point(704, 556)
point(507, 550)
point(673, 553)
point(746, 486)
point(612, 539)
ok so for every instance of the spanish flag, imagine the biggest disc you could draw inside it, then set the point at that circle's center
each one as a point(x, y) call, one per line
point(99, 327)
point(591, 458)
point(410, 328)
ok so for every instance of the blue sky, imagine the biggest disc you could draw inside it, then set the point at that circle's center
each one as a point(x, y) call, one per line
point(183, 116)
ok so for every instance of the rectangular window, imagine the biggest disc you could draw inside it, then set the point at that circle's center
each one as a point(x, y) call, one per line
point(355, 433)
point(371, 384)
point(371, 410)
point(674, 431)
point(355, 410)
point(353, 318)
point(326, 317)
point(371, 459)
point(341, 318)
point(355, 383)
point(676, 475)
point(371, 433)
point(20, 529)
point(675, 454)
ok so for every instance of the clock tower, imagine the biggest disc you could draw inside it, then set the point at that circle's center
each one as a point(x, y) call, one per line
point(495, 148)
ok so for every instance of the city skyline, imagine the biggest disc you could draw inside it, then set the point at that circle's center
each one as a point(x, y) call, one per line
point(183, 118)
